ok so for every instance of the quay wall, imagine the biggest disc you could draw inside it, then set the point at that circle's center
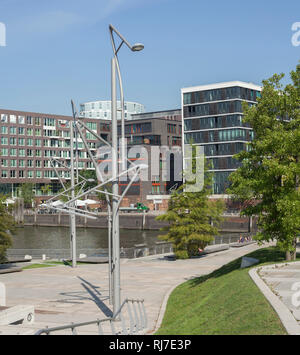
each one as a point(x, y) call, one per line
point(139, 221)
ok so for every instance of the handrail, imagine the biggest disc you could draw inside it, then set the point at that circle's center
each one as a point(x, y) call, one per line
point(137, 318)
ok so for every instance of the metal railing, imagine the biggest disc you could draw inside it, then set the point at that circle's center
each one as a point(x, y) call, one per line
point(137, 321)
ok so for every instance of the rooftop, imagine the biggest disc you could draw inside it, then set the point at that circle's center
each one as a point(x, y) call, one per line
point(222, 85)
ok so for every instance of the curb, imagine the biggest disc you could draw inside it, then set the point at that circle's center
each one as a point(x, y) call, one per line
point(163, 307)
point(289, 322)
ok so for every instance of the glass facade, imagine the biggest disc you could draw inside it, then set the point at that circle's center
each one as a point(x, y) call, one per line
point(217, 108)
point(218, 136)
point(221, 94)
point(102, 109)
point(214, 118)
point(195, 124)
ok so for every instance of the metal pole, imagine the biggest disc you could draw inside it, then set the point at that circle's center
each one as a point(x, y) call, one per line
point(72, 215)
point(115, 191)
point(123, 153)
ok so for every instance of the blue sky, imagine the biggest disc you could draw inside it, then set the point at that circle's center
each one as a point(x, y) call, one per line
point(60, 50)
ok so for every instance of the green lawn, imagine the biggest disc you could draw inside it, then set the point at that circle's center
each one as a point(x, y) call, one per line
point(50, 264)
point(225, 302)
point(36, 266)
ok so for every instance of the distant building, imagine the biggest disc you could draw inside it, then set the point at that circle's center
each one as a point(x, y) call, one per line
point(212, 117)
point(102, 109)
point(28, 141)
point(150, 129)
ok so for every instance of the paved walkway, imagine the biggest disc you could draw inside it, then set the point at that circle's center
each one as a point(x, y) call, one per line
point(284, 282)
point(62, 295)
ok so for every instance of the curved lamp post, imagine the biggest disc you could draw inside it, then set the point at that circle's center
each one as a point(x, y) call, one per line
point(115, 237)
point(137, 47)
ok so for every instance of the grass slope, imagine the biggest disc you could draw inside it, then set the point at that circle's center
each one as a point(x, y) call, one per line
point(225, 302)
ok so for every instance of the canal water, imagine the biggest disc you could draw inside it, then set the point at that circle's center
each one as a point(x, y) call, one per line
point(54, 242)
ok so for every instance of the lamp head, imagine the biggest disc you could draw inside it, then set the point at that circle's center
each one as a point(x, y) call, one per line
point(137, 47)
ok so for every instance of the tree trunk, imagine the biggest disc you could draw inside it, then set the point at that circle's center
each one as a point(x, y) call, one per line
point(291, 255)
point(288, 256)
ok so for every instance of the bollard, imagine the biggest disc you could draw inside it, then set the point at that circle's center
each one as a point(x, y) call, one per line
point(2, 295)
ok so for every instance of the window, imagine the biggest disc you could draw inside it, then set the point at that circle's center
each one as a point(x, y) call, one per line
point(49, 122)
point(21, 131)
point(4, 174)
point(155, 188)
point(37, 121)
point(13, 152)
point(21, 174)
point(30, 142)
point(92, 126)
point(38, 132)
point(21, 119)
point(21, 163)
point(30, 174)
point(13, 163)
point(4, 141)
point(13, 141)
point(12, 130)
point(4, 118)
point(4, 163)
point(29, 120)
point(29, 131)
point(13, 118)
point(21, 152)
point(4, 130)
point(171, 128)
point(13, 173)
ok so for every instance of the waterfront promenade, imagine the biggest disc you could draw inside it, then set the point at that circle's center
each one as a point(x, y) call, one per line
point(62, 295)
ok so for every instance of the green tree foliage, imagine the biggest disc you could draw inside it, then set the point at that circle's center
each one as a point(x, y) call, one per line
point(27, 193)
point(46, 189)
point(268, 180)
point(89, 175)
point(7, 226)
point(193, 219)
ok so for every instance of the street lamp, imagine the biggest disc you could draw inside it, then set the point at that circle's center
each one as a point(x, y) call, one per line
point(137, 47)
point(115, 183)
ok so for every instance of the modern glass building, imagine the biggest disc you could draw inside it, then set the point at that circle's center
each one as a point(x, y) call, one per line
point(212, 117)
point(102, 109)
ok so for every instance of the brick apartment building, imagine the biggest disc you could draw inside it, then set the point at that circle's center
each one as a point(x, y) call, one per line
point(29, 140)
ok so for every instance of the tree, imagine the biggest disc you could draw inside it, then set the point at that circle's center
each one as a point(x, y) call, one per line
point(91, 181)
point(27, 193)
point(193, 219)
point(268, 181)
point(7, 226)
point(46, 189)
